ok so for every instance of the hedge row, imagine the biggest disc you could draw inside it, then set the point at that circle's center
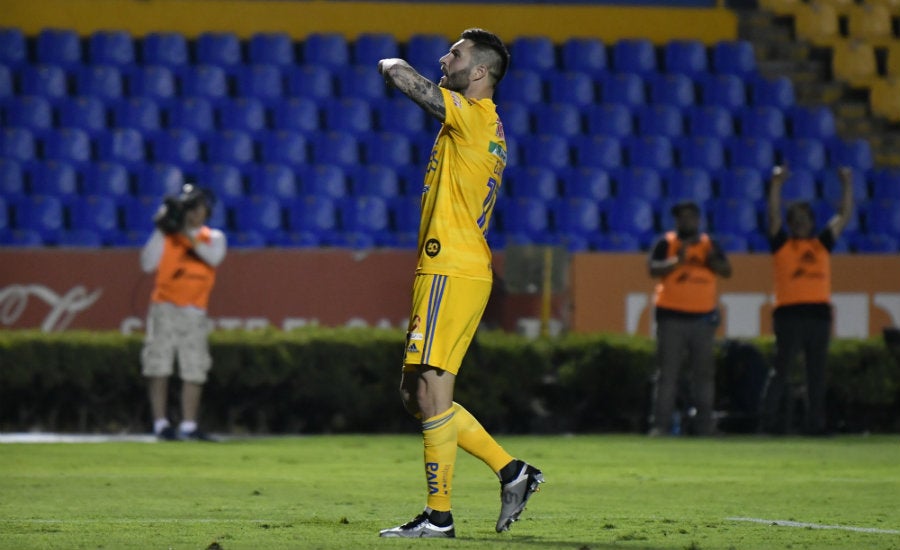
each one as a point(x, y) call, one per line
point(322, 380)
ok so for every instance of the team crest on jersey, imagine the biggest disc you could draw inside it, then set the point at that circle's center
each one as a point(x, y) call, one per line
point(500, 133)
point(456, 101)
point(432, 247)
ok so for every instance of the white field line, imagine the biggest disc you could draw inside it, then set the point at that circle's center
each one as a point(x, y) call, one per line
point(787, 523)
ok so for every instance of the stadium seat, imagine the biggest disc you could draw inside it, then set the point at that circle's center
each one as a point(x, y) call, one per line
point(371, 47)
point(44, 80)
point(247, 114)
point(530, 181)
point(205, 81)
point(761, 121)
point(82, 112)
point(561, 119)
point(725, 90)
point(365, 214)
point(577, 215)
point(81, 238)
point(609, 119)
point(297, 239)
point(67, 144)
point(886, 183)
point(111, 47)
point(158, 180)
point(125, 145)
point(324, 180)
point(533, 53)
point(224, 180)
point(582, 54)
point(585, 182)
point(689, 184)
point(108, 179)
point(800, 186)
point(6, 82)
point(634, 55)
point(274, 180)
point(525, 86)
point(329, 49)
point(882, 216)
point(102, 81)
point(772, 92)
point(347, 114)
point(275, 48)
point(153, 81)
point(672, 89)
point(167, 49)
point(854, 153)
point(638, 181)
point(818, 23)
point(403, 116)
point(406, 212)
point(741, 183)
point(195, 114)
point(649, 151)
point(750, 152)
point(252, 239)
point(626, 88)
point(615, 241)
point(42, 213)
point(260, 214)
point(58, 47)
point(264, 82)
point(314, 213)
point(733, 215)
point(13, 47)
point(297, 113)
point(812, 122)
point(570, 87)
point(12, 179)
point(284, 147)
point(803, 154)
point(362, 81)
point(386, 148)
point(875, 244)
point(335, 147)
point(854, 62)
point(220, 49)
point(141, 113)
point(375, 180)
point(54, 178)
point(659, 120)
point(178, 146)
point(138, 212)
point(596, 151)
point(95, 213)
point(28, 111)
point(732, 243)
point(525, 215)
point(870, 22)
point(630, 215)
point(423, 52)
point(17, 143)
point(687, 57)
point(824, 210)
point(546, 150)
point(230, 147)
point(700, 151)
point(312, 81)
point(884, 98)
point(734, 57)
point(832, 188)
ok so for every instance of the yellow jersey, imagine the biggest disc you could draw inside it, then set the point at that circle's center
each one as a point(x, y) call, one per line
point(461, 184)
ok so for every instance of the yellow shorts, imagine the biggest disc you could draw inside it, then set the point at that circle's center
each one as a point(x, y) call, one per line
point(445, 315)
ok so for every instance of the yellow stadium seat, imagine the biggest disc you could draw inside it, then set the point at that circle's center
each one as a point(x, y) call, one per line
point(853, 61)
point(892, 65)
point(817, 23)
point(780, 7)
point(892, 5)
point(884, 98)
point(842, 7)
point(871, 23)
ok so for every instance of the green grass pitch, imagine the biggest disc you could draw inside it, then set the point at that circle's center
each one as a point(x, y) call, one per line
point(324, 492)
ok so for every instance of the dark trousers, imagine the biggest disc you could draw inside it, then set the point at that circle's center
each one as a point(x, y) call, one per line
point(807, 337)
point(679, 339)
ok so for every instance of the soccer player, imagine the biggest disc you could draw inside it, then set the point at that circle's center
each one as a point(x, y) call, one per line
point(453, 275)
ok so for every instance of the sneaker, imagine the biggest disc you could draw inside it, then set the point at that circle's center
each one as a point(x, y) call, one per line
point(420, 527)
point(515, 494)
point(167, 434)
point(197, 435)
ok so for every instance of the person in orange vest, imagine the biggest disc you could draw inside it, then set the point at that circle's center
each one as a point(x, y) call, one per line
point(184, 253)
point(802, 316)
point(687, 263)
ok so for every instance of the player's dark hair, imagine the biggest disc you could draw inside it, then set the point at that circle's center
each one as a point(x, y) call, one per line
point(794, 208)
point(489, 50)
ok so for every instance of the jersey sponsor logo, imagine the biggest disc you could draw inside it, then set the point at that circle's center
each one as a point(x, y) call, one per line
point(431, 470)
point(416, 336)
point(412, 348)
point(497, 150)
point(432, 247)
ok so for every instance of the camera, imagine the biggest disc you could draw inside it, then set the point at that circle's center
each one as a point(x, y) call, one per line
point(170, 216)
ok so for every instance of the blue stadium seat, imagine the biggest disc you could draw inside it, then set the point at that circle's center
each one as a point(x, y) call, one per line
point(284, 147)
point(832, 189)
point(125, 145)
point(247, 114)
point(80, 238)
point(824, 210)
point(530, 181)
point(882, 216)
point(773, 92)
point(28, 111)
point(561, 119)
point(659, 120)
point(21, 238)
point(741, 183)
point(168, 49)
point(687, 57)
point(42, 213)
point(260, 214)
point(362, 81)
point(886, 183)
point(583, 54)
point(638, 181)
point(533, 53)
point(626, 88)
point(615, 241)
point(734, 57)
point(44, 80)
point(634, 55)
point(732, 243)
point(251, 239)
point(672, 89)
point(733, 215)
point(260, 81)
point(585, 182)
point(102, 81)
point(725, 90)
point(95, 213)
point(111, 47)
point(812, 122)
point(649, 151)
point(312, 81)
point(406, 213)
point(609, 119)
point(58, 47)
point(108, 179)
point(6, 82)
point(195, 114)
point(700, 151)
point(334, 147)
point(596, 151)
point(570, 87)
point(206, 81)
point(82, 112)
point(12, 179)
point(274, 180)
point(177, 146)
point(329, 49)
point(230, 147)
point(423, 52)
point(325, 180)
point(138, 212)
point(375, 180)
point(142, 113)
point(709, 120)
point(803, 154)
point(761, 121)
point(222, 49)
point(800, 186)
point(225, 181)
point(54, 178)
point(67, 144)
point(386, 148)
point(525, 86)
point(4, 215)
point(545, 150)
point(854, 153)
point(689, 184)
point(296, 113)
point(371, 47)
point(314, 213)
point(630, 215)
point(153, 81)
point(875, 244)
point(577, 215)
point(13, 47)
point(347, 114)
point(365, 213)
point(403, 116)
point(297, 239)
point(750, 152)
point(525, 215)
point(17, 143)
point(276, 48)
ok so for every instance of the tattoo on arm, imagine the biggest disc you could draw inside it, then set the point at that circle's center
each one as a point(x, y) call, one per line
point(419, 89)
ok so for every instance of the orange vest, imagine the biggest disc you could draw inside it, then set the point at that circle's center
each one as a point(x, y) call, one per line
point(690, 287)
point(802, 273)
point(182, 278)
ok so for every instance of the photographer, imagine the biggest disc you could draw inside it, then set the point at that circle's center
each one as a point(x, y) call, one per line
point(184, 253)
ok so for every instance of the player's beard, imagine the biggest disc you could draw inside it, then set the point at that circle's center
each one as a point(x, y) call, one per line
point(455, 82)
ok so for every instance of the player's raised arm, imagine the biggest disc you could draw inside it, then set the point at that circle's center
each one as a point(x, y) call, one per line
point(401, 75)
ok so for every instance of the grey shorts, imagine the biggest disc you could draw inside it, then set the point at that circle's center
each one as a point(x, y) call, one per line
point(174, 331)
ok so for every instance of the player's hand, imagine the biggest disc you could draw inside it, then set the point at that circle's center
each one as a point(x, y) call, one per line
point(780, 175)
point(846, 175)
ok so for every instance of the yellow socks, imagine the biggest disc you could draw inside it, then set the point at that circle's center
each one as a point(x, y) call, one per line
point(475, 440)
point(439, 436)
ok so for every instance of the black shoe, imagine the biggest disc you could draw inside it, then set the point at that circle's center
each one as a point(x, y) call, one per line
point(167, 434)
point(420, 527)
point(197, 435)
point(515, 494)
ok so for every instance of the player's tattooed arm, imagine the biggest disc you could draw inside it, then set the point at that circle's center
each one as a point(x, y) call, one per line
point(427, 94)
